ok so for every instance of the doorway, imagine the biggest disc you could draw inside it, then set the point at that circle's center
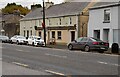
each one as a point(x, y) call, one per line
point(72, 35)
point(27, 33)
point(106, 35)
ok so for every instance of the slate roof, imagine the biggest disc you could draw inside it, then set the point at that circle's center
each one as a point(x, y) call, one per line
point(64, 9)
point(69, 8)
point(103, 4)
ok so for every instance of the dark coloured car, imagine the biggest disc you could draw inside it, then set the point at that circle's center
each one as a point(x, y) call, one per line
point(88, 43)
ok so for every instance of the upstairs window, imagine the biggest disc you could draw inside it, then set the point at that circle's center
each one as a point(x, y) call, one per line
point(49, 22)
point(70, 20)
point(107, 15)
point(60, 21)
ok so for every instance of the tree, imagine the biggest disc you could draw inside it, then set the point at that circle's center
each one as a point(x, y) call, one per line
point(12, 7)
point(35, 6)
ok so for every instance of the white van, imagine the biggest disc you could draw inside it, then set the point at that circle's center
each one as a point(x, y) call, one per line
point(35, 41)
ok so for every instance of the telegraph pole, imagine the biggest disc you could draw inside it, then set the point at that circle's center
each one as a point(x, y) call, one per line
point(44, 22)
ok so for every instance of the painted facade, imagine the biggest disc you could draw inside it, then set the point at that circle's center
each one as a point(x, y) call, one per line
point(104, 23)
point(63, 28)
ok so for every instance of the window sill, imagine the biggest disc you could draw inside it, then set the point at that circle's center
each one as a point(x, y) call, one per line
point(106, 21)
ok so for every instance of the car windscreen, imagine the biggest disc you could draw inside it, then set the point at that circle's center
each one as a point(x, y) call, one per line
point(21, 37)
point(37, 38)
point(94, 39)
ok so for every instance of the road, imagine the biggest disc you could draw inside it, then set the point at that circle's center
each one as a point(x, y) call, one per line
point(60, 61)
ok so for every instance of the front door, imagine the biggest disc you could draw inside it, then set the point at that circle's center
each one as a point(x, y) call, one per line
point(72, 35)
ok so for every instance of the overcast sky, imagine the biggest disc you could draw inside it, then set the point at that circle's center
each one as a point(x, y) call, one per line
point(25, 3)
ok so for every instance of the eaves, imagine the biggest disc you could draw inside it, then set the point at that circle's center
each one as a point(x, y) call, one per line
point(104, 6)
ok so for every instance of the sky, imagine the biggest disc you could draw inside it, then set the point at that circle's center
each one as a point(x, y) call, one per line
point(26, 3)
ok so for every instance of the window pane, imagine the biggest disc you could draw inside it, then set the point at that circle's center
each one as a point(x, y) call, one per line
point(107, 15)
point(59, 34)
point(53, 34)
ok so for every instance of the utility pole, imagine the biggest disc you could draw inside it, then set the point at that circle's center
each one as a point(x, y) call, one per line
point(44, 22)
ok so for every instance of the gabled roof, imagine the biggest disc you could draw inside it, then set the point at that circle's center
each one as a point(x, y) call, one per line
point(104, 5)
point(68, 8)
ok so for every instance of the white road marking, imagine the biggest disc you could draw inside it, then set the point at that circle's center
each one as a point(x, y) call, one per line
point(55, 55)
point(57, 73)
point(20, 64)
point(102, 62)
point(108, 63)
point(21, 50)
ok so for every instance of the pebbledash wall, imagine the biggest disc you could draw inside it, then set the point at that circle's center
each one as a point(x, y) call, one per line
point(99, 28)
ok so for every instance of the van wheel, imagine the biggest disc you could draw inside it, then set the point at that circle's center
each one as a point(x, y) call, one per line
point(87, 48)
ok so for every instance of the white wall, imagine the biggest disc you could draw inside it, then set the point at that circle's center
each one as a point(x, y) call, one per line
point(96, 19)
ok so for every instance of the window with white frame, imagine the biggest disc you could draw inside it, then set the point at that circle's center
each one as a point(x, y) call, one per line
point(60, 21)
point(107, 15)
point(49, 22)
point(70, 20)
point(59, 35)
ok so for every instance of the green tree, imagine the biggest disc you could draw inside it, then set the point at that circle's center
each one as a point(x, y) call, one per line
point(12, 7)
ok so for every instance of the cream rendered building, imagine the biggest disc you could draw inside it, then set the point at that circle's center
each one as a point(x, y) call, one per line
point(65, 22)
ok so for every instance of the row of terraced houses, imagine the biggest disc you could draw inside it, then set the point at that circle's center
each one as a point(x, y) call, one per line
point(67, 21)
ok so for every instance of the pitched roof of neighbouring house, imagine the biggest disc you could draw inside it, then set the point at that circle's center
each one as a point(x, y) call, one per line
point(68, 8)
point(104, 4)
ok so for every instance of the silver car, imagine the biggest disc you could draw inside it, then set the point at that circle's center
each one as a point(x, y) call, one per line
point(18, 39)
point(4, 39)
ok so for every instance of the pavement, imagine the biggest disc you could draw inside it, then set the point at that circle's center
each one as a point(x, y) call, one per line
point(64, 46)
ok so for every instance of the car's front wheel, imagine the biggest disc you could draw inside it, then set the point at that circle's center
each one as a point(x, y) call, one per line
point(70, 47)
point(87, 48)
point(17, 42)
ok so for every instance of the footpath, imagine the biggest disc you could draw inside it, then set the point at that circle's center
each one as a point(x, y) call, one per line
point(64, 46)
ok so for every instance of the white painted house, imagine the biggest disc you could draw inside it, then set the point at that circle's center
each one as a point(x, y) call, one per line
point(104, 23)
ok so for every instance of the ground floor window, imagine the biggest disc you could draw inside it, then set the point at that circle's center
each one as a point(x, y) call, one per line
point(31, 32)
point(97, 34)
point(27, 33)
point(53, 34)
point(59, 35)
point(24, 33)
point(40, 34)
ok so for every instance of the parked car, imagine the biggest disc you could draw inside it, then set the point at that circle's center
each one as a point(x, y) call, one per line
point(35, 41)
point(4, 39)
point(18, 39)
point(88, 43)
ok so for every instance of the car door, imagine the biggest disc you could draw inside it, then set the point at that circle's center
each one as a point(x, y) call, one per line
point(77, 43)
point(83, 42)
point(29, 39)
point(14, 39)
